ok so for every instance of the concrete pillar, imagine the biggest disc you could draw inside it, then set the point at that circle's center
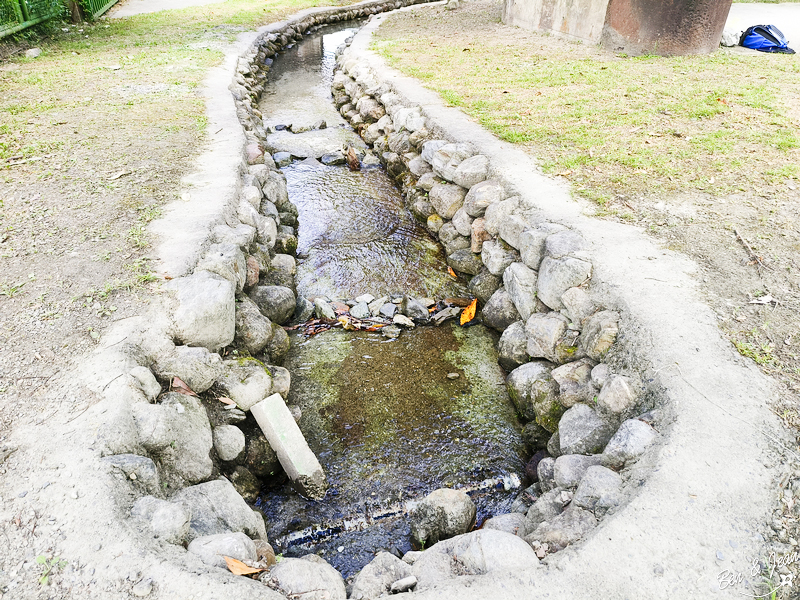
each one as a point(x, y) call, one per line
point(285, 437)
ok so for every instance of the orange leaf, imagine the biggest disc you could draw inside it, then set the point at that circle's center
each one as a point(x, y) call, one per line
point(237, 567)
point(226, 400)
point(179, 386)
point(452, 273)
point(469, 313)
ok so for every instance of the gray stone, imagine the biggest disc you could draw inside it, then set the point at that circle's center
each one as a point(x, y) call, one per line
point(413, 309)
point(370, 109)
point(548, 506)
point(448, 233)
point(566, 243)
point(520, 282)
point(286, 242)
point(471, 171)
point(462, 222)
point(278, 346)
point(146, 381)
point(447, 158)
point(599, 491)
point(532, 243)
point(178, 433)
point(500, 312)
point(617, 395)
point(497, 211)
point(441, 514)
point(481, 196)
point(404, 585)
point(403, 321)
point(282, 159)
point(216, 507)
point(253, 330)
point(427, 181)
point(260, 459)
point(510, 229)
point(228, 442)
point(337, 158)
point(246, 484)
point(479, 552)
point(275, 189)
point(575, 382)
point(251, 193)
point(430, 148)
point(246, 382)
point(275, 302)
point(377, 577)
point(243, 235)
point(569, 469)
point(285, 437)
point(465, 261)
point(309, 578)
point(303, 309)
point(484, 284)
point(513, 523)
point(535, 394)
point(142, 588)
point(266, 228)
point(33, 53)
point(226, 260)
point(600, 374)
point(196, 367)
point(446, 198)
point(512, 349)
point(365, 298)
point(578, 305)
point(391, 331)
point(557, 275)
point(554, 445)
point(260, 172)
point(628, 444)
point(140, 471)
point(212, 548)
point(422, 210)
point(388, 310)
point(167, 521)
point(376, 305)
point(496, 257)
point(582, 431)
point(281, 380)
point(206, 310)
point(599, 333)
point(460, 243)
point(546, 472)
point(371, 134)
point(360, 311)
point(544, 332)
point(565, 529)
point(323, 310)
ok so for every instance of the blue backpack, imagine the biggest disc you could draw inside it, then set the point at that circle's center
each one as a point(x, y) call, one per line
point(766, 38)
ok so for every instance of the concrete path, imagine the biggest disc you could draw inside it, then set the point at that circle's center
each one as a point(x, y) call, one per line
point(129, 8)
point(785, 17)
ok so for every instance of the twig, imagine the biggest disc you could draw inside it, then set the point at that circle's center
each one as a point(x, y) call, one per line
point(753, 255)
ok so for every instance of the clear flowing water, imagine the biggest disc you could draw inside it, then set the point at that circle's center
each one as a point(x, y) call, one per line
point(387, 423)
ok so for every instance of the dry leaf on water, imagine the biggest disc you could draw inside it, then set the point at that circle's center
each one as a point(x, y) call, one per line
point(179, 386)
point(469, 313)
point(237, 567)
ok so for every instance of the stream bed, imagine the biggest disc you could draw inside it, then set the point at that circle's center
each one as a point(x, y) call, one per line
point(390, 419)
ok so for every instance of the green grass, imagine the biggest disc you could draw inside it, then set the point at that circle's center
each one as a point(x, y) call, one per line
point(715, 123)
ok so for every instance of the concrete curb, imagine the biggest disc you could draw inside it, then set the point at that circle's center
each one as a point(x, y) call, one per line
point(709, 489)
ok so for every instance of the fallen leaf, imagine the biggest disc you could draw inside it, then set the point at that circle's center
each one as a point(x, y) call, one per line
point(564, 173)
point(179, 386)
point(226, 400)
point(768, 299)
point(469, 313)
point(237, 567)
point(452, 273)
point(118, 175)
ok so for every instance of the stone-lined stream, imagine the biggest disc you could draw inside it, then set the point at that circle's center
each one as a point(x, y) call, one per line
point(387, 423)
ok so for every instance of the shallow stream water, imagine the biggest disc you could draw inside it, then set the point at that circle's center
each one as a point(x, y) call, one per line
point(389, 419)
